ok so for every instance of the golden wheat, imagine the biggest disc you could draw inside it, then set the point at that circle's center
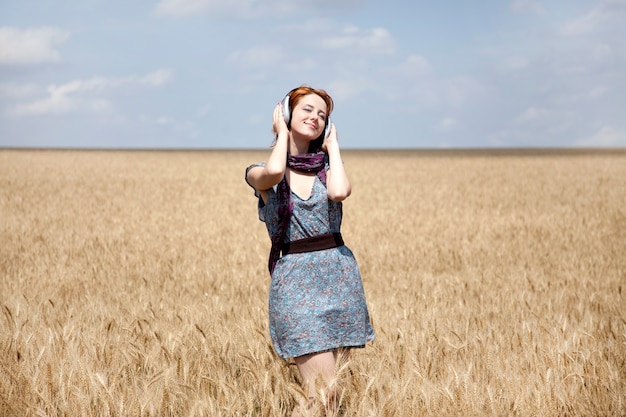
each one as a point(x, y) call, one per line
point(135, 284)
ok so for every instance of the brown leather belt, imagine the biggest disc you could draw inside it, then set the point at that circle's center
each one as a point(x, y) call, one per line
point(310, 244)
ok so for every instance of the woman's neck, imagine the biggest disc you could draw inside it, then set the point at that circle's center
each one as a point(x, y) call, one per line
point(298, 146)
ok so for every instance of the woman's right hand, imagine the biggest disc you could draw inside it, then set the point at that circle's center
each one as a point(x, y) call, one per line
point(279, 125)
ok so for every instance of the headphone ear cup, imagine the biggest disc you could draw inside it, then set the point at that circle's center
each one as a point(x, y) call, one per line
point(286, 110)
point(327, 128)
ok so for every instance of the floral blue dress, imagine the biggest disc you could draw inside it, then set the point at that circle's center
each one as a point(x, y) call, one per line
point(316, 299)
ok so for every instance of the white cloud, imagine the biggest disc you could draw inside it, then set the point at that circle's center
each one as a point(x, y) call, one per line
point(306, 48)
point(583, 95)
point(598, 91)
point(414, 65)
point(312, 25)
point(447, 124)
point(259, 57)
point(154, 79)
point(602, 54)
point(607, 136)
point(205, 110)
point(607, 10)
point(461, 89)
point(586, 58)
point(249, 9)
point(351, 38)
point(182, 127)
point(82, 95)
point(180, 8)
point(303, 64)
point(533, 115)
point(60, 104)
point(346, 88)
point(18, 91)
point(515, 63)
point(583, 24)
point(254, 64)
point(30, 46)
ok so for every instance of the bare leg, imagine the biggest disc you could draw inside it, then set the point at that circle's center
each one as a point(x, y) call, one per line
point(317, 368)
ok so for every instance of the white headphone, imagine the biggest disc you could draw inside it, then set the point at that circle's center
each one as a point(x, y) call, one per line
point(287, 115)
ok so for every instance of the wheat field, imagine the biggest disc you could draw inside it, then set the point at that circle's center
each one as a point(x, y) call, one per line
point(134, 283)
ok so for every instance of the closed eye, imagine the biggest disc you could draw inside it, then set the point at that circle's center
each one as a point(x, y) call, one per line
point(309, 109)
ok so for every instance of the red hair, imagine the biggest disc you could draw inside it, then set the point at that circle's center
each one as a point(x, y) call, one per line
point(297, 93)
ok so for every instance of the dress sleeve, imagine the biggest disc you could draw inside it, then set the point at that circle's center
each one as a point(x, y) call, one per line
point(248, 168)
point(257, 194)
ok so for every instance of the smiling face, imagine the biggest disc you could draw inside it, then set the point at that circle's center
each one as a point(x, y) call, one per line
point(308, 117)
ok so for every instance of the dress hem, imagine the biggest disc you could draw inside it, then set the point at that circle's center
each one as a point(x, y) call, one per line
point(359, 346)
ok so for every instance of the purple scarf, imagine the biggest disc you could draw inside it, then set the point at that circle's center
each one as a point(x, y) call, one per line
point(310, 162)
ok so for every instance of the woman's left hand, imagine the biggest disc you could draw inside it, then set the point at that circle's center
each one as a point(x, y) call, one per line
point(331, 139)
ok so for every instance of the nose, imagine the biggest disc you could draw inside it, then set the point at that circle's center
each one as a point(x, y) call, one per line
point(317, 119)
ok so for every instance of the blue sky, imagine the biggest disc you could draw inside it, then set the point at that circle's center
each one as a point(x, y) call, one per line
point(404, 74)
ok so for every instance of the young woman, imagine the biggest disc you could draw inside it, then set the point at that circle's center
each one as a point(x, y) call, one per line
point(317, 306)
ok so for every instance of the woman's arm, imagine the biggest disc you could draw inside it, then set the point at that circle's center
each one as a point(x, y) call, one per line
point(337, 183)
point(265, 177)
